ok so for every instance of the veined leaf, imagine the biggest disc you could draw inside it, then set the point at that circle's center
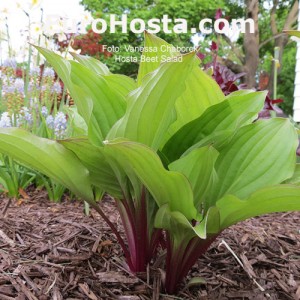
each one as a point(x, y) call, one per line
point(92, 157)
point(92, 63)
point(198, 167)
point(98, 104)
point(181, 229)
point(47, 157)
point(295, 179)
point(260, 154)
point(108, 105)
point(77, 123)
point(201, 93)
point(166, 187)
point(150, 107)
point(120, 83)
point(225, 116)
point(153, 59)
point(272, 199)
point(201, 90)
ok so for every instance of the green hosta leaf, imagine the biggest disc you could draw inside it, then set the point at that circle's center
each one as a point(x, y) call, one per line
point(47, 157)
point(198, 167)
point(150, 109)
point(92, 63)
point(279, 198)
point(77, 123)
point(99, 104)
point(166, 187)
point(216, 124)
point(61, 66)
point(108, 105)
point(153, 59)
point(295, 179)
point(259, 155)
point(93, 158)
point(181, 229)
point(120, 83)
point(201, 92)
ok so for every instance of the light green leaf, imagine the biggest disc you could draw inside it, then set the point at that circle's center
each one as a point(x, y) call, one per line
point(216, 124)
point(99, 104)
point(195, 282)
point(295, 179)
point(280, 198)
point(150, 107)
point(166, 187)
point(61, 66)
point(47, 157)
point(120, 83)
point(181, 229)
point(198, 167)
point(201, 90)
point(77, 123)
point(108, 105)
point(260, 154)
point(153, 58)
point(201, 93)
point(93, 158)
point(91, 63)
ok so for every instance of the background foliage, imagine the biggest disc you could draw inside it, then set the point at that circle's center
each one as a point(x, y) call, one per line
point(273, 17)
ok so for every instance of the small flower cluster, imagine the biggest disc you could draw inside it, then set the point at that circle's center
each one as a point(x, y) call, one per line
point(15, 91)
point(25, 119)
point(58, 123)
point(5, 120)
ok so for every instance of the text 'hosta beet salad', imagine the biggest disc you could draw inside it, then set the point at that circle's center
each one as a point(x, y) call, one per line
point(182, 161)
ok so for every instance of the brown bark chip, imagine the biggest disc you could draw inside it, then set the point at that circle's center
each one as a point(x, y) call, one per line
point(53, 251)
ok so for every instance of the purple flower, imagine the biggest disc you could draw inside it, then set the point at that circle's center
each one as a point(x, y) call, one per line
point(60, 125)
point(44, 111)
point(5, 120)
point(49, 72)
point(56, 88)
point(10, 63)
point(34, 71)
point(25, 115)
point(50, 122)
point(19, 86)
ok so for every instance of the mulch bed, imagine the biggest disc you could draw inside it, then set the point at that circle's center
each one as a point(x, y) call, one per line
point(54, 251)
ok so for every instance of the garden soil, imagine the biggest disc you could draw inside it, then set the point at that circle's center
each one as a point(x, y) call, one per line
point(54, 251)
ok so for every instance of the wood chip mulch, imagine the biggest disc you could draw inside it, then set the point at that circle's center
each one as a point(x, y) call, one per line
point(53, 251)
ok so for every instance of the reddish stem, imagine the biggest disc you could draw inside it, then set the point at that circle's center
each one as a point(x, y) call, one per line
point(115, 231)
point(180, 261)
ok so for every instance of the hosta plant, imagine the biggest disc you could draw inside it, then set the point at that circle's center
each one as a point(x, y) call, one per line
point(182, 161)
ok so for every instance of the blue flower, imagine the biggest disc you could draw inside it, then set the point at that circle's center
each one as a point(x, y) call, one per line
point(10, 63)
point(34, 71)
point(49, 72)
point(19, 86)
point(56, 88)
point(60, 125)
point(50, 122)
point(25, 115)
point(5, 120)
point(44, 111)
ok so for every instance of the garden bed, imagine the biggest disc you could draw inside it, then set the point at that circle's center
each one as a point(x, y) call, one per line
point(54, 251)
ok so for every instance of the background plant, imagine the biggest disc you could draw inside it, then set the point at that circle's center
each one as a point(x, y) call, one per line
point(36, 108)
